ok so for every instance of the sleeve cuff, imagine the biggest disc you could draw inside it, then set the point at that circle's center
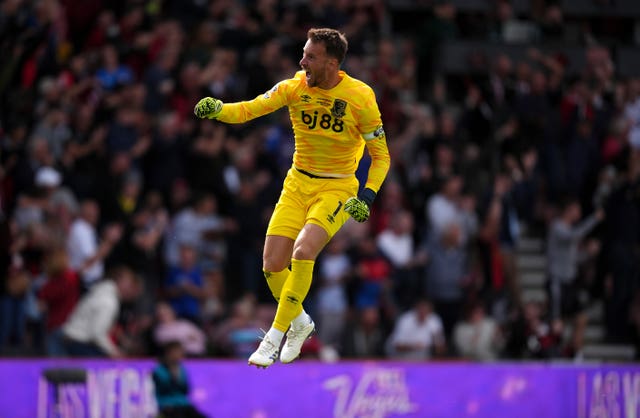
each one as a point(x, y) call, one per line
point(368, 196)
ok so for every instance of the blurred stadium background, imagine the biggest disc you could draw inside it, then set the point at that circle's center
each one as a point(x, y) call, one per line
point(514, 130)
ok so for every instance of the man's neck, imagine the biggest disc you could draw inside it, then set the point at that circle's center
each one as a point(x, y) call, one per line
point(332, 82)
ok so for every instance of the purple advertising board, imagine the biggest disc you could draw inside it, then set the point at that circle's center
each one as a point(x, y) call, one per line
point(230, 389)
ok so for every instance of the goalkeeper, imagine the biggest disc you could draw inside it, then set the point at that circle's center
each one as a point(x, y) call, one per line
point(334, 117)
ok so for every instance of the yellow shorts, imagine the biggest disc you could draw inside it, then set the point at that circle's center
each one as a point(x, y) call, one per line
point(310, 200)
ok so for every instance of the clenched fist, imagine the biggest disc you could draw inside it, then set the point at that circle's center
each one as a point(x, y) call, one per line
point(208, 107)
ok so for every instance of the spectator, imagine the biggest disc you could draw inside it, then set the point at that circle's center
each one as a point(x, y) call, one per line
point(448, 207)
point(499, 89)
point(54, 128)
point(263, 72)
point(165, 159)
point(632, 112)
point(390, 202)
point(499, 238)
point(634, 319)
point(184, 286)
point(493, 289)
point(245, 241)
point(372, 274)
point(12, 303)
point(418, 334)
point(620, 245)
point(215, 304)
point(240, 333)
point(26, 259)
point(396, 241)
point(568, 293)
point(477, 337)
point(38, 154)
point(112, 73)
point(87, 330)
point(206, 160)
point(58, 297)
point(170, 328)
point(535, 335)
point(397, 245)
point(126, 136)
point(583, 163)
point(159, 81)
point(171, 383)
point(334, 269)
point(364, 337)
point(194, 224)
point(121, 203)
point(149, 224)
point(431, 35)
point(86, 254)
point(447, 274)
point(34, 205)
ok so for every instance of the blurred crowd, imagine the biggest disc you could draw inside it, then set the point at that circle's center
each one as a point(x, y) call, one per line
point(127, 224)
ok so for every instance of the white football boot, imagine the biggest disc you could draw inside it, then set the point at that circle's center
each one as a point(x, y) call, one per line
point(295, 338)
point(265, 355)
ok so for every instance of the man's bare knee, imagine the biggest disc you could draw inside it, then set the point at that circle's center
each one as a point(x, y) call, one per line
point(310, 242)
point(274, 264)
point(277, 253)
point(304, 252)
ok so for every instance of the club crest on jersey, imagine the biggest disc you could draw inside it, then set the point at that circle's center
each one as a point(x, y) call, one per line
point(306, 98)
point(339, 108)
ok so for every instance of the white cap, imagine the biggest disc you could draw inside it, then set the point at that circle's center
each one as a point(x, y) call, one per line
point(48, 177)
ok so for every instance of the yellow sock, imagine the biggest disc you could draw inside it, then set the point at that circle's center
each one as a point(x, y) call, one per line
point(293, 293)
point(275, 281)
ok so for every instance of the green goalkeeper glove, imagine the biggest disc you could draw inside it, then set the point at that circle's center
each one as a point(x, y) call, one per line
point(208, 107)
point(360, 207)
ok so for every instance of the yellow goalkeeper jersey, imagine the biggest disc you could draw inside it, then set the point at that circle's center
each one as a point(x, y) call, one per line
point(331, 127)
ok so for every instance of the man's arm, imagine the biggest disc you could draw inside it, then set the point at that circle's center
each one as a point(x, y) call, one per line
point(564, 233)
point(113, 234)
point(172, 287)
point(241, 112)
point(402, 337)
point(380, 162)
point(103, 319)
point(359, 208)
point(194, 290)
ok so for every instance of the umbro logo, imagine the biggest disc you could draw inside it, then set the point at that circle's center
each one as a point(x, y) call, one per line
point(306, 98)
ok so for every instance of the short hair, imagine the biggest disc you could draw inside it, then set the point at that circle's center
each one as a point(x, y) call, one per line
point(334, 41)
point(169, 346)
point(119, 271)
point(566, 201)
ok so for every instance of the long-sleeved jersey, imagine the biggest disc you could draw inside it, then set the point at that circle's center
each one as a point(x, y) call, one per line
point(331, 127)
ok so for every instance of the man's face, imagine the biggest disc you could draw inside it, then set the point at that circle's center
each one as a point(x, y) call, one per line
point(423, 310)
point(175, 355)
point(317, 64)
point(91, 212)
point(128, 287)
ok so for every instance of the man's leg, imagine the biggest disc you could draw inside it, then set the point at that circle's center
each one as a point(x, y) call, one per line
point(310, 242)
point(276, 258)
point(311, 227)
point(276, 261)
